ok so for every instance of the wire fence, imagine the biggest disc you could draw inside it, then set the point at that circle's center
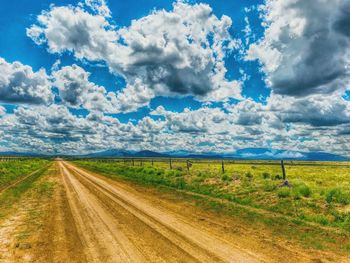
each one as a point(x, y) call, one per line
point(278, 168)
point(169, 161)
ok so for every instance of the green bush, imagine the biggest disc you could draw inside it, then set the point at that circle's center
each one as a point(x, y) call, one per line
point(249, 175)
point(321, 220)
point(296, 195)
point(225, 178)
point(269, 186)
point(266, 175)
point(337, 195)
point(179, 168)
point(204, 174)
point(304, 190)
point(277, 177)
point(148, 170)
point(283, 192)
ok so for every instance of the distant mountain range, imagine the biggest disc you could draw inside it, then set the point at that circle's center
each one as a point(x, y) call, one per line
point(23, 154)
point(124, 153)
point(272, 154)
point(247, 153)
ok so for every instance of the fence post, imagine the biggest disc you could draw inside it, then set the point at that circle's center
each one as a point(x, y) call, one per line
point(283, 170)
point(152, 162)
point(188, 165)
point(141, 163)
point(222, 166)
point(133, 163)
point(170, 164)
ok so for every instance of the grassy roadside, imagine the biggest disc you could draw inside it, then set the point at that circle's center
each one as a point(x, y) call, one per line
point(23, 217)
point(12, 195)
point(13, 170)
point(281, 225)
point(38, 193)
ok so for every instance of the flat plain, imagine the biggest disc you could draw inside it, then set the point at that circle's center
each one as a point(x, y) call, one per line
point(133, 210)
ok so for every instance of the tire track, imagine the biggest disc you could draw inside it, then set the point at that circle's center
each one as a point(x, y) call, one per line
point(181, 236)
point(102, 239)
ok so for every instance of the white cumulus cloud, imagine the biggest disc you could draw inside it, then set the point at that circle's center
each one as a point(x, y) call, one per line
point(77, 91)
point(20, 84)
point(167, 53)
point(306, 46)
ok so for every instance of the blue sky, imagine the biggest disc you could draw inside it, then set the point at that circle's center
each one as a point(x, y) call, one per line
point(259, 78)
point(18, 47)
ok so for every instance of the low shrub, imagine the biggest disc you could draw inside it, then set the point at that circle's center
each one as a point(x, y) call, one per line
point(249, 175)
point(269, 186)
point(266, 175)
point(283, 192)
point(304, 190)
point(225, 178)
point(337, 195)
point(320, 219)
point(277, 177)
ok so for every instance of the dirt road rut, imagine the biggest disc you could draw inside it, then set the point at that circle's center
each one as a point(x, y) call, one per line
point(115, 225)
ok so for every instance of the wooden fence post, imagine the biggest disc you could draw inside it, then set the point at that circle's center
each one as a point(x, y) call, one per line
point(170, 164)
point(222, 166)
point(152, 162)
point(283, 170)
point(133, 163)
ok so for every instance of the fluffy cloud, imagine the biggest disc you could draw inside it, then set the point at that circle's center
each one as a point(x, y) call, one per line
point(55, 129)
point(167, 53)
point(2, 110)
point(99, 6)
point(181, 52)
point(316, 110)
point(344, 130)
point(133, 97)
point(77, 91)
point(48, 125)
point(247, 112)
point(72, 29)
point(203, 120)
point(19, 84)
point(306, 46)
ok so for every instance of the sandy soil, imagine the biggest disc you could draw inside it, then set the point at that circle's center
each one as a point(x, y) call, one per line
point(118, 226)
point(90, 218)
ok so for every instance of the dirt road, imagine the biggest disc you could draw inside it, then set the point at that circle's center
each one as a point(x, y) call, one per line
point(90, 218)
point(117, 226)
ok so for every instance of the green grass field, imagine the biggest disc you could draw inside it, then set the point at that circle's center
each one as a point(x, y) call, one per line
point(318, 195)
point(13, 169)
point(11, 172)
